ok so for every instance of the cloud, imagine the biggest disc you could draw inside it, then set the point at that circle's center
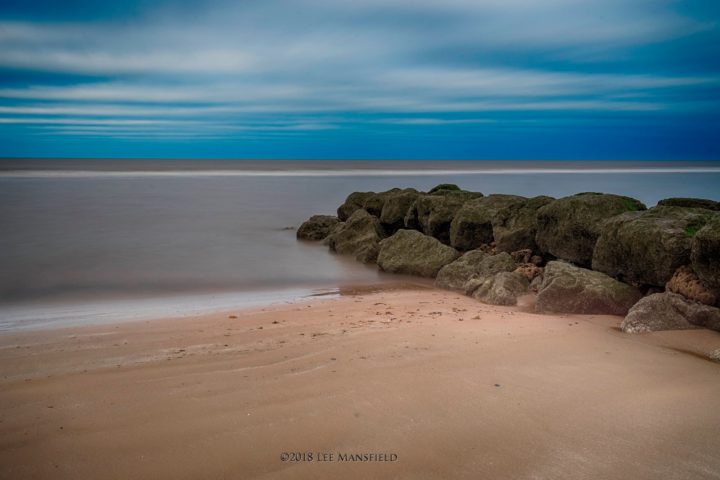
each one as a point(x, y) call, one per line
point(269, 66)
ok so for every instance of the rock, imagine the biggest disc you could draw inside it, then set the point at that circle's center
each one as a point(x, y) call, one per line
point(647, 247)
point(411, 252)
point(705, 253)
point(353, 202)
point(569, 227)
point(375, 202)
point(395, 208)
point(432, 214)
point(690, 203)
point(536, 260)
point(358, 236)
point(317, 227)
point(453, 276)
point(529, 270)
point(489, 266)
point(570, 289)
point(338, 226)
point(685, 282)
point(503, 288)
point(472, 264)
point(714, 355)
point(472, 225)
point(536, 284)
point(669, 311)
point(445, 187)
point(521, 256)
point(515, 227)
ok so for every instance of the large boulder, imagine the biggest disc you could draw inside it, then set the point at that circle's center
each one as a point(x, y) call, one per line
point(489, 266)
point(569, 227)
point(690, 203)
point(472, 225)
point(503, 288)
point(395, 207)
point(472, 264)
point(359, 236)
point(413, 253)
point(454, 275)
point(433, 214)
point(353, 202)
point(669, 311)
point(685, 282)
point(570, 289)
point(705, 254)
point(647, 247)
point(515, 227)
point(317, 227)
point(444, 188)
point(375, 202)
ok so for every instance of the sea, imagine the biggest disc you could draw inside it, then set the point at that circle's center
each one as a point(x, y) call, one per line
point(96, 241)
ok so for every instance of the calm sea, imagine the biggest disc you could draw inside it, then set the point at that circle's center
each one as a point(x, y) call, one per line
point(106, 240)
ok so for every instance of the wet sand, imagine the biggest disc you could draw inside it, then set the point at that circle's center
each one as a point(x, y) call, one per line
point(452, 387)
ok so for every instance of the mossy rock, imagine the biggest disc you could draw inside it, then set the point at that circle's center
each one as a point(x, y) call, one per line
point(359, 236)
point(669, 311)
point(705, 252)
point(433, 214)
point(395, 207)
point(353, 202)
point(567, 288)
point(445, 187)
point(475, 263)
point(503, 288)
point(647, 247)
point(472, 225)
point(690, 203)
point(413, 253)
point(569, 227)
point(317, 227)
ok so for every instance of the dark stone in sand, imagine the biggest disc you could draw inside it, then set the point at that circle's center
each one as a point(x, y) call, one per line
point(359, 236)
point(503, 288)
point(570, 289)
point(472, 264)
point(317, 227)
point(411, 252)
point(647, 247)
point(569, 227)
point(669, 311)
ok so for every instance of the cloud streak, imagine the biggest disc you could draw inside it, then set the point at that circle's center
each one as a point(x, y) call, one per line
point(319, 66)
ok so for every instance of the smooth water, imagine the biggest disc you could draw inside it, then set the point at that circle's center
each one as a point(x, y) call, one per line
point(79, 244)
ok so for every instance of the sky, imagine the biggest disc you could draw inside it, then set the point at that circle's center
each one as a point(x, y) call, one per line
point(361, 79)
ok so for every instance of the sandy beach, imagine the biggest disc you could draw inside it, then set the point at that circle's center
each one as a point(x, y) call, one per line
point(433, 382)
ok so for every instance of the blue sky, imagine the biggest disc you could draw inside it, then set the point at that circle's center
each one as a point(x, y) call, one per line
point(361, 79)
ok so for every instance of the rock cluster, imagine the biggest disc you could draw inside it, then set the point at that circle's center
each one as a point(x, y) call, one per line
point(589, 253)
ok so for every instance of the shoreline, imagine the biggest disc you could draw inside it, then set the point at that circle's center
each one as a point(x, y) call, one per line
point(77, 312)
point(455, 388)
